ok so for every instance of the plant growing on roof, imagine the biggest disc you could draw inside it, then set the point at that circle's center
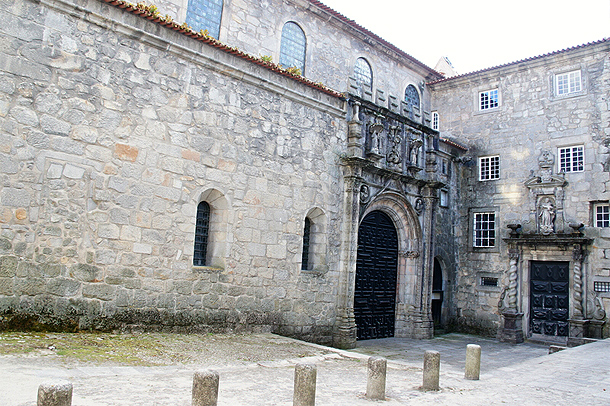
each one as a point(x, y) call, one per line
point(293, 70)
point(267, 58)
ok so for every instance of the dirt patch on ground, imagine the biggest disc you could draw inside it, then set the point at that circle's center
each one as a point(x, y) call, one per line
point(153, 349)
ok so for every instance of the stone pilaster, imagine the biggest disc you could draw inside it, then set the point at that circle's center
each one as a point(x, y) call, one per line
point(345, 328)
point(512, 331)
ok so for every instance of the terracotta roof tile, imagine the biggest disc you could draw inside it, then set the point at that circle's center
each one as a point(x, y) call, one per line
point(533, 58)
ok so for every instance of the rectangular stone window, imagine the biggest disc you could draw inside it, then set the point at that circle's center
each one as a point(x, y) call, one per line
point(567, 83)
point(489, 281)
point(488, 99)
point(572, 159)
point(489, 167)
point(444, 198)
point(435, 120)
point(602, 215)
point(484, 230)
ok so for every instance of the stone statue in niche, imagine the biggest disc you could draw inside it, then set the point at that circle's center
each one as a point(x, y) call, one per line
point(375, 129)
point(546, 216)
point(414, 154)
point(394, 141)
point(365, 194)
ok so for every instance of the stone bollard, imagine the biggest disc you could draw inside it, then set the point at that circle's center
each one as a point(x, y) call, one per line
point(375, 386)
point(473, 362)
point(432, 367)
point(304, 385)
point(57, 393)
point(205, 388)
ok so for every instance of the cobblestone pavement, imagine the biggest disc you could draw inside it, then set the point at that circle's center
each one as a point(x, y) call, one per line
point(510, 374)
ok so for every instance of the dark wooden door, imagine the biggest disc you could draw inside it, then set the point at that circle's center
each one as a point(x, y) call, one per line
point(549, 287)
point(376, 268)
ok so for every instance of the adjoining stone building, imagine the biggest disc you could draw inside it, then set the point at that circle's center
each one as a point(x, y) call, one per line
point(288, 171)
point(533, 210)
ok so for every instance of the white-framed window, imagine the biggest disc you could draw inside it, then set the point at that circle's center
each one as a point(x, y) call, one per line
point(488, 99)
point(572, 159)
point(484, 230)
point(435, 120)
point(601, 215)
point(568, 82)
point(489, 167)
point(444, 198)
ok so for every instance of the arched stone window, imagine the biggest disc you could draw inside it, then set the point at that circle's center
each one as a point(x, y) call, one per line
point(293, 47)
point(412, 98)
point(205, 15)
point(210, 242)
point(202, 232)
point(306, 244)
point(363, 73)
point(313, 257)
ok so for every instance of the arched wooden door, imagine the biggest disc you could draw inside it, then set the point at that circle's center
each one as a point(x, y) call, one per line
point(376, 275)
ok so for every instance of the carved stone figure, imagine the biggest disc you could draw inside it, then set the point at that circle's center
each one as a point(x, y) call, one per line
point(365, 194)
point(394, 141)
point(546, 214)
point(375, 130)
point(414, 155)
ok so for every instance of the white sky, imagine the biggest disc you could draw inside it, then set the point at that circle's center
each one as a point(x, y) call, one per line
point(478, 34)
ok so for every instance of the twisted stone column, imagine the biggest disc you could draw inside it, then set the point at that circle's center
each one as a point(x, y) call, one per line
point(577, 256)
point(512, 281)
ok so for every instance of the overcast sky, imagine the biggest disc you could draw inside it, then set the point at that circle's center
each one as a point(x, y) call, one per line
point(477, 34)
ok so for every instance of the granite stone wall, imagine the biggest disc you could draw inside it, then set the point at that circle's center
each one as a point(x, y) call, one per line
point(113, 130)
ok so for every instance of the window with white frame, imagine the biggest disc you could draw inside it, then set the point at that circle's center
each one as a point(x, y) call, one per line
point(602, 214)
point(435, 120)
point(484, 230)
point(488, 99)
point(572, 159)
point(489, 167)
point(567, 83)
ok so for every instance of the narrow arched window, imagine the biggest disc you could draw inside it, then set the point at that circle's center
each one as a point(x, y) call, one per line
point(293, 47)
point(363, 73)
point(412, 97)
point(202, 233)
point(306, 240)
point(205, 15)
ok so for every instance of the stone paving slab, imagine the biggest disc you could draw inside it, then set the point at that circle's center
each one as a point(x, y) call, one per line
point(511, 374)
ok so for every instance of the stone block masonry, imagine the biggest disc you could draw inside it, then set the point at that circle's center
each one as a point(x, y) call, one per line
point(113, 130)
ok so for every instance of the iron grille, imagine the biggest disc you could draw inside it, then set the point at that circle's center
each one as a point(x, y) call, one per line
point(489, 281)
point(202, 229)
point(306, 236)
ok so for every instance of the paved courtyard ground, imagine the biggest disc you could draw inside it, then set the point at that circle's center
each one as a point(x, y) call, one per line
point(258, 370)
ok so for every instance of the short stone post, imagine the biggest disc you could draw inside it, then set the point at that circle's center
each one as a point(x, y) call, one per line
point(432, 367)
point(473, 362)
point(304, 385)
point(205, 388)
point(57, 393)
point(375, 387)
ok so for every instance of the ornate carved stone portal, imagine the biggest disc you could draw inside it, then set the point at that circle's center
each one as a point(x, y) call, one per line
point(384, 171)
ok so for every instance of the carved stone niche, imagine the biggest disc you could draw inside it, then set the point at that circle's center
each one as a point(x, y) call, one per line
point(415, 159)
point(394, 146)
point(375, 135)
point(547, 192)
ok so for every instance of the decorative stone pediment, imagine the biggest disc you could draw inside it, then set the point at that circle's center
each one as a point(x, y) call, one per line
point(547, 192)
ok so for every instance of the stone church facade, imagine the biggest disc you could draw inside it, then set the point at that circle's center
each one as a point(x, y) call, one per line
point(274, 166)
